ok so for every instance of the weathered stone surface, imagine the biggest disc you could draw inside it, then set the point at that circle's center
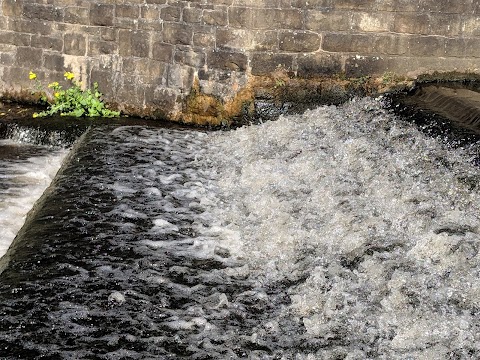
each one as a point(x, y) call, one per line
point(171, 13)
point(12, 7)
point(295, 41)
point(162, 52)
point(426, 46)
point(101, 14)
point(319, 64)
point(134, 43)
point(100, 47)
point(143, 50)
point(329, 20)
point(343, 42)
point(185, 55)
point(372, 22)
point(265, 63)
point(76, 15)
point(53, 61)
point(215, 17)
point(174, 33)
point(11, 37)
point(229, 61)
point(48, 42)
point(128, 11)
point(75, 44)
point(29, 57)
point(42, 12)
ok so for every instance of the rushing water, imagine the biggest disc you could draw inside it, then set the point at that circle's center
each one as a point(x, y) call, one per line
point(343, 233)
point(26, 170)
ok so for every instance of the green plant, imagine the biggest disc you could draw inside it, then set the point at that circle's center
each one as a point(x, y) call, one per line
point(73, 101)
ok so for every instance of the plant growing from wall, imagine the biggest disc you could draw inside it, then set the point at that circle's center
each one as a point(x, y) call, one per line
point(72, 101)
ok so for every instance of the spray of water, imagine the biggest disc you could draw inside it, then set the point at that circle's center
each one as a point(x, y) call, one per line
point(373, 226)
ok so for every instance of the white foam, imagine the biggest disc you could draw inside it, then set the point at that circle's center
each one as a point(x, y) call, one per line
point(370, 211)
point(27, 180)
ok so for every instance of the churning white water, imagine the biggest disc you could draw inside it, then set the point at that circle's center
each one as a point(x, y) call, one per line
point(374, 225)
point(26, 170)
point(342, 233)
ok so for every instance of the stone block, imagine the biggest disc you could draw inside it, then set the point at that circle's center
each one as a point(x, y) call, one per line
point(354, 4)
point(100, 47)
point(157, 2)
point(203, 36)
point(75, 44)
point(426, 46)
point(392, 44)
point(180, 77)
point(47, 42)
point(30, 26)
point(447, 6)
point(330, 20)
point(127, 11)
point(7, 59)
point(372, 22)
point(105, 80)
point(228, 61)
point(319, 64)
point(234, 38)
point(12, 7)
point(257, 3)
point(412, 23)
point(296, 41)
point(313, 4)
point(134, 43)
point(265, 18)
point(14, 38)
point(240, 17)
point(266, 63)
point(174, 33)
point(471, 26)
point(472, 48)
point(150, 13)
point(108, 34)
point(53, 61)
point(359, 66)
point(186, 56)
point(165, 100)
point(162, 51)
point(463, 47)
point(42, 12)
point(76, 15)
point(446, 24)
point(130, 92)
point(29, 57)
point(277, 19)
point(171, 13)
point(154, 25)
point(150, 71)
point(341, 42)
point(102, 15)
point(192, 15)
point(215, 17)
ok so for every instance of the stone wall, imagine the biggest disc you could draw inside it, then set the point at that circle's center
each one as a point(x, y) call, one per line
point(203, 60)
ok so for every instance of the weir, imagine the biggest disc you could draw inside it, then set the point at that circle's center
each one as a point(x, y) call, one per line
point(340, 231)
point(345, 232)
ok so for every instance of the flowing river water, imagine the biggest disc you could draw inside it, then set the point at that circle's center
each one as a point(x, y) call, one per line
point(342, 233)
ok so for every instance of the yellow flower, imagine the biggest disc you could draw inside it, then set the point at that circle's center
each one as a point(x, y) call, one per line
point(32, 75)
point(69, 75)
point(57, 94)
point(35, 115)
point(53, 84)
